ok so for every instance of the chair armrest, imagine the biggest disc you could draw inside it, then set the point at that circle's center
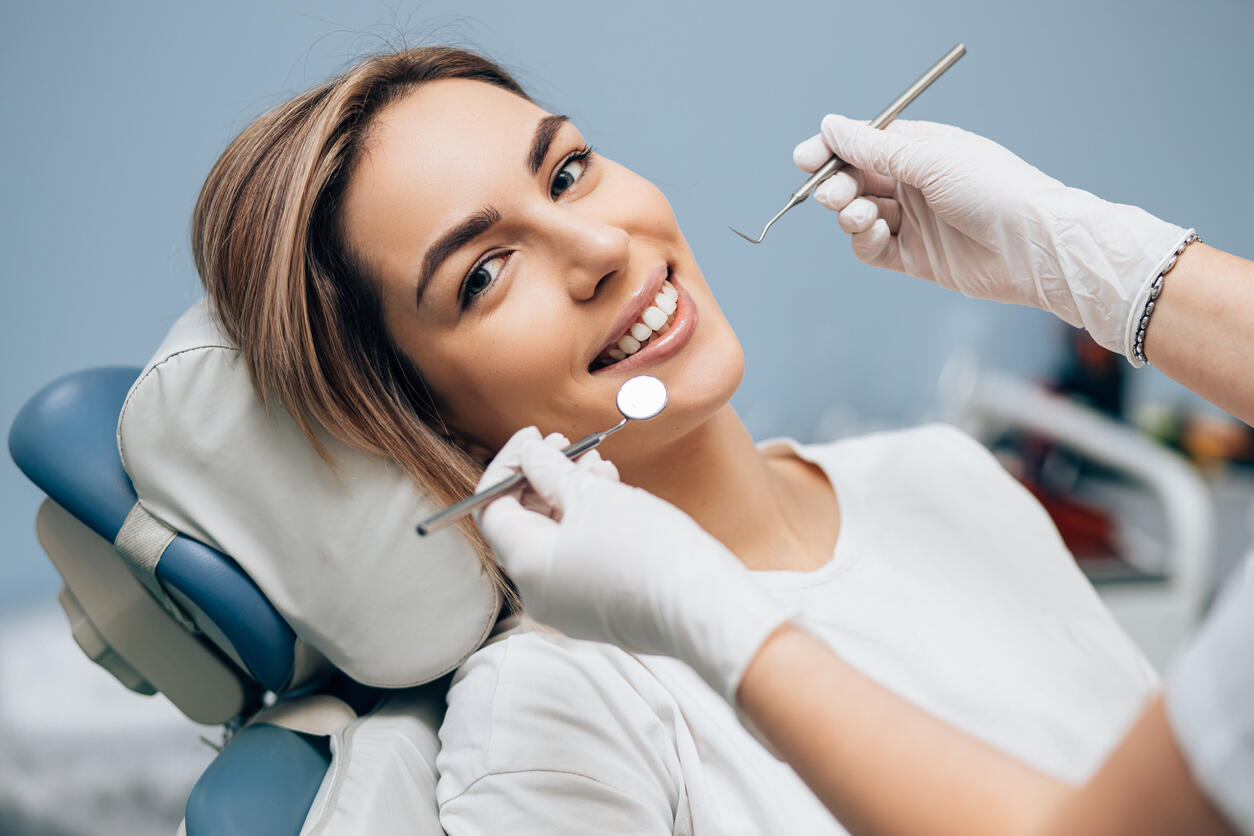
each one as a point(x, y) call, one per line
point(262, 784)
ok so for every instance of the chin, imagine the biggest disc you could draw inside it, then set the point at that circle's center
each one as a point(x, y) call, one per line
point(705, 385)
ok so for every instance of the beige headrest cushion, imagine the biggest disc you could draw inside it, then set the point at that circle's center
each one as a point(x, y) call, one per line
point(334, 550)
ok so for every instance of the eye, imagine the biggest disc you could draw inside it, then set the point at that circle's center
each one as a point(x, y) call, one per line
point(480, 278)
point(570, 172)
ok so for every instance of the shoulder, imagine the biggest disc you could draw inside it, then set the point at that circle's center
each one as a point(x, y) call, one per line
point(541, 702)
point(933, 469)
point(937, 450)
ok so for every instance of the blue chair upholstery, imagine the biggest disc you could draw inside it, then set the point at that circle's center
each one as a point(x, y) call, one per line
point(64, 440)
point(263, 783)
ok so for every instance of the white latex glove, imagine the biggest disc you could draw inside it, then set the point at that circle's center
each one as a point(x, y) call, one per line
point(605, 561)
point(952, 207)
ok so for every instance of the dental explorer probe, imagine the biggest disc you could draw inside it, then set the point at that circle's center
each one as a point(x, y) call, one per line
point(835, 164)
point(639, 399)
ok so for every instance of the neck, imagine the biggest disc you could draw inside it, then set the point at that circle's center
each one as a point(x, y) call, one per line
point(756, 508)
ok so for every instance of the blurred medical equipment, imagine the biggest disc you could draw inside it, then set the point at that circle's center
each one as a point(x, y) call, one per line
point(1157, 608)
point(886, 116)
point(189, 568)
point(639, 399)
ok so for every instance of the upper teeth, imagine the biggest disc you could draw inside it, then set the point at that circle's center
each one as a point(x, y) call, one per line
point(651, 320)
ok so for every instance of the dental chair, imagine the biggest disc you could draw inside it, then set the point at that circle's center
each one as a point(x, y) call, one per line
point(209, 553)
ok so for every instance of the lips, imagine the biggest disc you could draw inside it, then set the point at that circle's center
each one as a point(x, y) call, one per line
point(641, 299)
point(653, 320)
point(624, 352)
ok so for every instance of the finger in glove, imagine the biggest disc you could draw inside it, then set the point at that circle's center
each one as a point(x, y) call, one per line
point(811, 153)
point(873, 245)
point(505, 463)
point(858, 215)
point(554, 476)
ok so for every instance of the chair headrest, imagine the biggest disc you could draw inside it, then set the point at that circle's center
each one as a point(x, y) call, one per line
point(65, 440)
point(333, 549)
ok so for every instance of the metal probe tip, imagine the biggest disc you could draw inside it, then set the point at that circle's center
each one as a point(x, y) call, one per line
point(791, 203)
point(835, 164)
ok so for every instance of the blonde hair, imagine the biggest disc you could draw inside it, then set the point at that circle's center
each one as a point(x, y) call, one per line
point(271, 251)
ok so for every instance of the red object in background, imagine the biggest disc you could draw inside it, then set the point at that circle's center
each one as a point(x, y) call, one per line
point(1087, 532)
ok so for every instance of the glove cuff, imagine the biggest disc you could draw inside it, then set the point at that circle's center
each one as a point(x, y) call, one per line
point(723, 635)
point(1145, 300)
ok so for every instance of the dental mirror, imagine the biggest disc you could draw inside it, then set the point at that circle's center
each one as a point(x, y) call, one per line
point(639, 399)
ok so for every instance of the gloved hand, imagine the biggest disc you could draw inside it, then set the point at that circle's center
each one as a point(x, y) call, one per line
point(605, 561)
point(955, 208)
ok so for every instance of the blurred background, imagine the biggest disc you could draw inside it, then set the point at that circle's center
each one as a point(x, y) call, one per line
point(115, 112)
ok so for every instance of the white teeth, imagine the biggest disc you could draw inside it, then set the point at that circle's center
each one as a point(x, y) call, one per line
point(652, 317)
point(666, 303)
point(652, 321)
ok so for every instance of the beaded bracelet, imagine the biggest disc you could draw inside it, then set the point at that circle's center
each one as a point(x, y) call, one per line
point(1138, 343)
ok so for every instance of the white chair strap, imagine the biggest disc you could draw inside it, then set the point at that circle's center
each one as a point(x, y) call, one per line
point(141, 541)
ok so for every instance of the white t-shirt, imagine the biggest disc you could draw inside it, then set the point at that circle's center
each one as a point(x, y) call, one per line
point(949, 584)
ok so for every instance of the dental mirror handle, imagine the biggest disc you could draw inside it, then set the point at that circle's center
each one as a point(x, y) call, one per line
point(887, 115)
point(457, 510)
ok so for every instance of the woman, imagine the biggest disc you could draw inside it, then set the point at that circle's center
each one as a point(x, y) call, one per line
point(1187, 764)
point(420, 259)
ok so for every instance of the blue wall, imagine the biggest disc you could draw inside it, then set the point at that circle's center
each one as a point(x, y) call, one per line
point(113, 114)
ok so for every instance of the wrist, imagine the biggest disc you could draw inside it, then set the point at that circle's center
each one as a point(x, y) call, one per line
point(721, 638)
point(1110, 255)
point(1144, 303)
point(751, 698)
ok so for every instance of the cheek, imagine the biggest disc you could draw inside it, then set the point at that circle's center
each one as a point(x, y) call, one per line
point(494, 380)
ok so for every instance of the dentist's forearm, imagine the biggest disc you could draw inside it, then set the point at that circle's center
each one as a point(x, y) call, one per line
point(1201, 333)
point(1144, 788)
point(882, 765)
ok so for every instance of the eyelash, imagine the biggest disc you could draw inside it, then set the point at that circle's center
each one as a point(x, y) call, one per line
point(584, 155)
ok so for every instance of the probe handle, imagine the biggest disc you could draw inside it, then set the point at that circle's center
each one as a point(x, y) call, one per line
point(886, 116)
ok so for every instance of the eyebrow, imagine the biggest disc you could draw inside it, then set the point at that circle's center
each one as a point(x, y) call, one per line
point(546, 129)
point(483, 220)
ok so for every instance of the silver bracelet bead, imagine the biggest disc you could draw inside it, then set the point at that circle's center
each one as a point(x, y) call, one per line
point(1138, 348)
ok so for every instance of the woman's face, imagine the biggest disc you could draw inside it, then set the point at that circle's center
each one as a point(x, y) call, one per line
point(510, 260)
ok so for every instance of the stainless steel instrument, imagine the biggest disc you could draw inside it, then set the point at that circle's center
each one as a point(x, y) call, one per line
point(835, 164)
point(639, 399)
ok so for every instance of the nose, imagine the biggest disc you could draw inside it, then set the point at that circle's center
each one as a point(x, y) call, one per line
point(596, 250)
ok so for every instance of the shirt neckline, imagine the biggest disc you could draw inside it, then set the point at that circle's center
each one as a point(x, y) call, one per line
point(845, 553)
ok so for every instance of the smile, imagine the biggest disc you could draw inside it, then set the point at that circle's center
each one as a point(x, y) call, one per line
point(660, 330)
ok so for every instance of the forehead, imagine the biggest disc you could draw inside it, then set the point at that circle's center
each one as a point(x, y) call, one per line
point(439, 153)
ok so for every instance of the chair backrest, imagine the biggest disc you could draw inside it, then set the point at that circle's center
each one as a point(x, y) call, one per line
point(206, 548)
point(64, 440)
point(238, 647)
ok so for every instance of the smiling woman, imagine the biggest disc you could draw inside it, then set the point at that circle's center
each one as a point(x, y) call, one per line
point(420, 260)
point(533, 256)
point(268, 241)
